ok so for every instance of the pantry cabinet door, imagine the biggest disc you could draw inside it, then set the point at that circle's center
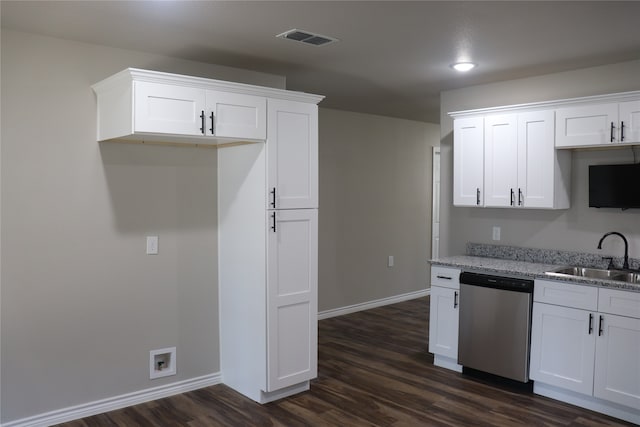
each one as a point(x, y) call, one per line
point(292, 155)
point(292, 297)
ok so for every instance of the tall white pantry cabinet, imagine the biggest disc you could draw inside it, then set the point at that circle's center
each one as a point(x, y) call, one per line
point(268, 240)
point(267, 211)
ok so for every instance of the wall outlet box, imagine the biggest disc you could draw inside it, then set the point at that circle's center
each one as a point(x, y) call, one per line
point(390, 261)
point(162, 362)
point(496, 233)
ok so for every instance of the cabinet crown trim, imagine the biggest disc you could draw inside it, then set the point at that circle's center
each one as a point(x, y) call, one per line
point(136, 74)
point(553, 104)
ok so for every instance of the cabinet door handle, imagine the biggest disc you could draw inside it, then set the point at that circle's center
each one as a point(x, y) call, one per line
point(444, 277)
point(520, 197)
point(590, 323)
point(478, 196)
point(613, 138)
point(213, 124)
point(621, 131)
point(512, 197)
point(273, 201)
point(600, 326)
point(202, 122)
point(455, 299)
point(273, 227)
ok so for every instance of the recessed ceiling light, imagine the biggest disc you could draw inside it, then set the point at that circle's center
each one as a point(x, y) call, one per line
point(463, 66)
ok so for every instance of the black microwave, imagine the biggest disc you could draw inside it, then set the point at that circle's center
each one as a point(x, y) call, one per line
point(614, 186)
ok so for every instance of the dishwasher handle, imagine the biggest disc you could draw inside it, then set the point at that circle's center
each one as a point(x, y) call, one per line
point(497, 282)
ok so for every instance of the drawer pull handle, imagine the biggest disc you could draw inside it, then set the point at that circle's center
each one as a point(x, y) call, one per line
point(590, 323)
point(444, 277)
point(455, 299)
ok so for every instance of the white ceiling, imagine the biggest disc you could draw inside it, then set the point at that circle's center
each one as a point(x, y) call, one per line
point(393, 56)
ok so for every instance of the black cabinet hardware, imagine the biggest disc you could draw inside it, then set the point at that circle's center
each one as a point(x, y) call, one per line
point(590, 323)
point(202, 126)
point(213, 124)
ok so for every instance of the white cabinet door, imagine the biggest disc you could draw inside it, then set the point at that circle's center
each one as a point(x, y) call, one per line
point(536, 160)
point(500, 160)
point(292, 297)
point(168, 109)
point(563, 347)
point(443, 322)
point(468, 161)
point(630, 121)
point(292, 155)
point(234, 115)
point(586, 125)
point(617, 371)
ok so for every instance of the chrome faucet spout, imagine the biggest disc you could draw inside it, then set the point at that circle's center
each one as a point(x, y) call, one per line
point(625, 265)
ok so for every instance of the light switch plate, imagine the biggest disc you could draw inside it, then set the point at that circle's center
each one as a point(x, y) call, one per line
point(152, 245)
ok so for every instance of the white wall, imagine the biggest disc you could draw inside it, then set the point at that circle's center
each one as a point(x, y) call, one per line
point(578, 228)
point(82, 305)
point(375, 201)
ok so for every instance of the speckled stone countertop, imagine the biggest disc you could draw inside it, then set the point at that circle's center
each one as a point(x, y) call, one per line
point(491, 259)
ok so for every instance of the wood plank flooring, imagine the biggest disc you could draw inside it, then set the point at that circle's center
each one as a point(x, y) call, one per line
point(374, 370)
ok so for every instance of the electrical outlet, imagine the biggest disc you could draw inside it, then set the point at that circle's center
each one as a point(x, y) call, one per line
point(390, 261)
point(496, 233)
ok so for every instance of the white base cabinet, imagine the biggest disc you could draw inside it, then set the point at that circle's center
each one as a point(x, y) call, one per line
point(443, 317)
point(586, 340)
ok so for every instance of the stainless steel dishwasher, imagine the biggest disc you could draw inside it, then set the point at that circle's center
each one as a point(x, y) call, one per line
point(495, 324)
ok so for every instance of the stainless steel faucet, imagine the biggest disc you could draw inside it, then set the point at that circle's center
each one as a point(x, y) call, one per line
point(625, 265)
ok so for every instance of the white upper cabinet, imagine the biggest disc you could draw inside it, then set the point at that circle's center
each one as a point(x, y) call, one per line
point(599, 124)
point(292, 155)
point(468, 162)
point(586, 125)
point(518, 166)
point(167, 109)
point(500, 160)
point(154, 107)
point(234, 115)
point(629, 114)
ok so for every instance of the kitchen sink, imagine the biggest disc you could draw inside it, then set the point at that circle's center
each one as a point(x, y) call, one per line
point(596, 273)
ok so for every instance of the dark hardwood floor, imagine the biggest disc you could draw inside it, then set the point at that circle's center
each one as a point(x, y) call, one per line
point(374, 370)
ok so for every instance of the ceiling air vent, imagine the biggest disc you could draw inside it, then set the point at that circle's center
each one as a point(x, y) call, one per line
point(307, 37)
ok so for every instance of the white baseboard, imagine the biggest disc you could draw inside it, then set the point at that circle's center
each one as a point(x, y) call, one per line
point(372, 304)
point(116, 402)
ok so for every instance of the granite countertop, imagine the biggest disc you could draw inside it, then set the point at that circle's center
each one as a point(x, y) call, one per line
point(535, 269)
